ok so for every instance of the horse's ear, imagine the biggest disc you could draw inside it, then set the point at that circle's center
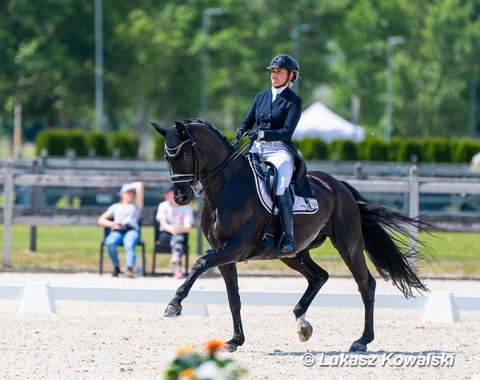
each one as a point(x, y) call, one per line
point(159, 129)
point(182, 130)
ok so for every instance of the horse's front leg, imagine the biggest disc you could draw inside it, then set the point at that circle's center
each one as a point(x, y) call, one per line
point(229, 273)
point(216, 258)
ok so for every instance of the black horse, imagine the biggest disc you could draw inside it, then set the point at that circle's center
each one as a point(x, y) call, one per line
point(233, 222)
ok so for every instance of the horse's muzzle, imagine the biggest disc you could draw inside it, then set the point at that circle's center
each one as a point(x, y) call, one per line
point(182, 199)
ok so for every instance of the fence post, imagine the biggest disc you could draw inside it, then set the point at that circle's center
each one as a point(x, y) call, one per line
point(34, 205)
point(414, 212)
point(7, 214)
point(358, 170)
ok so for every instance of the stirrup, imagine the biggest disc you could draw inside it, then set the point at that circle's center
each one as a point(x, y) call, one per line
point(286, 249)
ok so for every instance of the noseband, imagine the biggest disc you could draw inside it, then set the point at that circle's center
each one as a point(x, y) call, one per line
point(196, 185)
point(181, 178)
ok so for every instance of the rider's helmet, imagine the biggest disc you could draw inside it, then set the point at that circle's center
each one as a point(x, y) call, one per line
point(284, 61)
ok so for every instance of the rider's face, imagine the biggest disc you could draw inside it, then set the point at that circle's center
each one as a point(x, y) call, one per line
point(278, 76)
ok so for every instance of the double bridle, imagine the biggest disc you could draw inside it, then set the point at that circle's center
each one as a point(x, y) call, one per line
point(194, 178)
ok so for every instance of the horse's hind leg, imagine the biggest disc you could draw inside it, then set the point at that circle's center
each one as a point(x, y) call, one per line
point(351, 251)
point(316, 278)
point(229, 273)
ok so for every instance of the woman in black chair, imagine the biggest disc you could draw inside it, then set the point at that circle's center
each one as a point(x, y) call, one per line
point(123, 220)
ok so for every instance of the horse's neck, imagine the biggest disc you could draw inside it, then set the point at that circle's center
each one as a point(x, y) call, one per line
point(235, 174)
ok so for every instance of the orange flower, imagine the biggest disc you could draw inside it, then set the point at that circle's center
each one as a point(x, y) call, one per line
point(185, 350)
point(187, 373)
point(213, 346)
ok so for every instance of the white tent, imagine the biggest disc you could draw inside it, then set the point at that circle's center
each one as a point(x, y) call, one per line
point(319, 121)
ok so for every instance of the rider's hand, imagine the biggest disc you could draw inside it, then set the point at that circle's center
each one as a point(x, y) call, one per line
point(239, 134)
point(253, 135)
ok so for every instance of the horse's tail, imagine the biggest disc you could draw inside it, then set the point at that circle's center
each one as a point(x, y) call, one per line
point(391, 252)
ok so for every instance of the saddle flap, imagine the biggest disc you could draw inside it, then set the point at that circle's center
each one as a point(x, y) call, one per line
point(301, 205)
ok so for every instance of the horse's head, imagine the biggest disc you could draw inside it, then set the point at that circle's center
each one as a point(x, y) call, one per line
point(181, 159)
point(189, 151)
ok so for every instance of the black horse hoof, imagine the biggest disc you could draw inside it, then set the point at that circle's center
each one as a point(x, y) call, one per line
point(358, 347)
point(173, 310)
point(229, 347)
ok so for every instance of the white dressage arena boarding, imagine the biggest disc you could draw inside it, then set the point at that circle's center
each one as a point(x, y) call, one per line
point(39, 296)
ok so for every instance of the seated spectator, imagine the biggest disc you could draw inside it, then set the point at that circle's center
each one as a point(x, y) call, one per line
point(175, 220)
point(123, 220)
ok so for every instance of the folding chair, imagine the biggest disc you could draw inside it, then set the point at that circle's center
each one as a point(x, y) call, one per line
point(161, 244)
point(141, 243)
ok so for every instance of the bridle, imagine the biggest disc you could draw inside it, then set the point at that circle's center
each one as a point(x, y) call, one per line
point(198, 186)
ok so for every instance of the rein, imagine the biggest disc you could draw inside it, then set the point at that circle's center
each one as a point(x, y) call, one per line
point(194, 177)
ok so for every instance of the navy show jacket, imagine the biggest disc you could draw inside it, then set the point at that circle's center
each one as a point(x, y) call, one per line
point(278, 120)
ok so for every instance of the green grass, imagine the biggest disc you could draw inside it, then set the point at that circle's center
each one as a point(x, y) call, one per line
point(76, 248)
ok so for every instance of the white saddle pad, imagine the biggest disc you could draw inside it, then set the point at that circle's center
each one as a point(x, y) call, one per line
point(301, 205)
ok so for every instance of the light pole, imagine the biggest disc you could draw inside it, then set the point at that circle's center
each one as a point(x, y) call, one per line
point(391, 42)
point(98, 65)
point(207, 13)
point(299, 28)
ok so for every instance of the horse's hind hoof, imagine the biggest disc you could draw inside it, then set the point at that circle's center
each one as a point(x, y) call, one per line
point(173, 310)
point(358, 347)
point(304, 329)
point(305, 332)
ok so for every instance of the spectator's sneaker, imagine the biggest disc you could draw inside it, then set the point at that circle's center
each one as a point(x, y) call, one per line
point(179, 273)
point(130, 273)
point(116, 272)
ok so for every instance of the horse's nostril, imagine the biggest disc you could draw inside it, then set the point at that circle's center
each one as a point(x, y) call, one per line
point(181, 199)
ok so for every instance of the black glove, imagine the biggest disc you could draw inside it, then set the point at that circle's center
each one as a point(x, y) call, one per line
point(253, 135)
point(239, 134)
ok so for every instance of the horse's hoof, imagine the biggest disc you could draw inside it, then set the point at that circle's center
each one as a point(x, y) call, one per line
point(305, 332)
point(229, 347)
point(358, 347)
point(173, 310)
point(304, 329)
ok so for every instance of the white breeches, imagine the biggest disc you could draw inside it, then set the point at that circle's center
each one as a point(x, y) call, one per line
point(279, 155)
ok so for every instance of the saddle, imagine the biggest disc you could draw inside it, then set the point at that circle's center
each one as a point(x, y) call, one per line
point(266, 193)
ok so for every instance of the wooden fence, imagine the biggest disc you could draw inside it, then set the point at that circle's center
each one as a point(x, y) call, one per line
point(413, 185)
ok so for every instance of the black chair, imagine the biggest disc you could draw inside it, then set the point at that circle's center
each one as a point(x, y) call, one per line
point(141, 243)
point(161, 244)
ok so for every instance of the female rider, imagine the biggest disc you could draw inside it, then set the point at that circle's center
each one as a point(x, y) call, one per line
point(276, 112)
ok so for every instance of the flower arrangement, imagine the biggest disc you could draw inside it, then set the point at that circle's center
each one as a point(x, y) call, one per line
point(188, 364)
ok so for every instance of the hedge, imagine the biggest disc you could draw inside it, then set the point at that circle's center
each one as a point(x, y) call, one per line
point(57, 141)
point(97, 142)
point(343, 150)
point(125, 144)
point(312, 148)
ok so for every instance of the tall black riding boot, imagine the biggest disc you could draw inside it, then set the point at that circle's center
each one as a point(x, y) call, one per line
point(285, 211)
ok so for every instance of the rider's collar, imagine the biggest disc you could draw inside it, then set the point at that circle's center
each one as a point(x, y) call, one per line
point(278, 90)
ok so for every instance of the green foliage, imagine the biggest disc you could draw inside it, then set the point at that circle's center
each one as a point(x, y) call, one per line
point(158, 146)
point(437, 150)
point(48, 62)
point(343, 150)
point(125, 144)
point(411, 150)
point(394, 149)
point(312, 148)
point(464, 150)
point(98, 141)
point(56, 141)
point(374, 149)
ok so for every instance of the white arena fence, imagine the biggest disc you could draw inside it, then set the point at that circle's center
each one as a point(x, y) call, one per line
point(413, 185)
point(40, 297)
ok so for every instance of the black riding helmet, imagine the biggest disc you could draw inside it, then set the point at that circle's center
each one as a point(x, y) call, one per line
point(284, 61)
